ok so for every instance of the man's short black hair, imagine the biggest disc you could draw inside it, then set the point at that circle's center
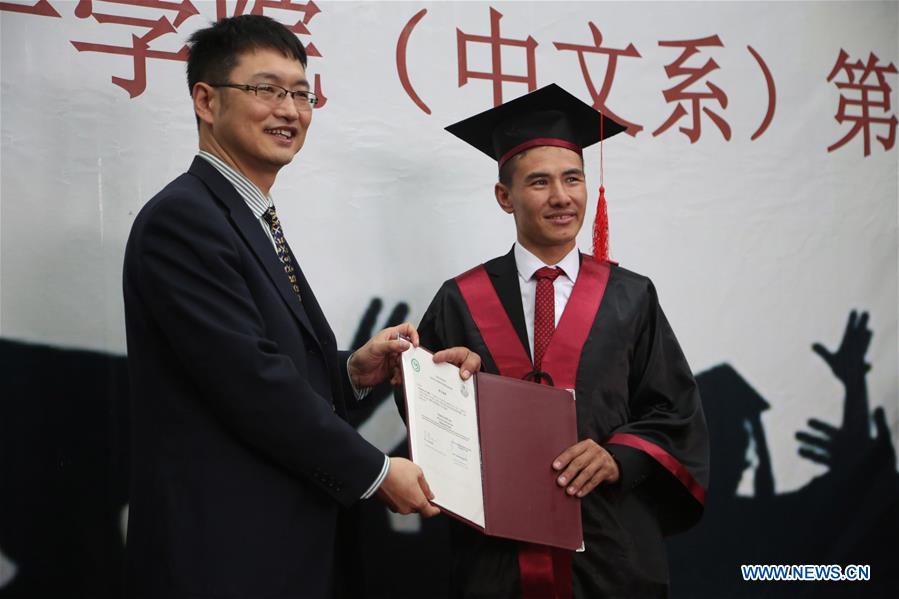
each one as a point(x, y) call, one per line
point(214, 51)
point(507, 170)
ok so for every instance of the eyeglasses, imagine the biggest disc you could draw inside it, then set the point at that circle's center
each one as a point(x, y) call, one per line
point(274, 94)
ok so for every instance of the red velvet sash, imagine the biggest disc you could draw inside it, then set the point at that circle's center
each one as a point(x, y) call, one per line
point(545, 571)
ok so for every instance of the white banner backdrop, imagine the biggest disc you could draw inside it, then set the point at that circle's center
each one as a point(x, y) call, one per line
point(759, 247)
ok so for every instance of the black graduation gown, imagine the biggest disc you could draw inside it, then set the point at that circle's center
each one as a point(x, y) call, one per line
point(632, 378)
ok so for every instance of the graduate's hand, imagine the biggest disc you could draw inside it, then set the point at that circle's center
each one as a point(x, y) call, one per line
point(467, 361)
point(405, 489)
point(377, 360)
point(583, 466)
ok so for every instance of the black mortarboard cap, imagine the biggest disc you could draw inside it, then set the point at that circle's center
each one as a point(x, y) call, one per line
point(549, 116)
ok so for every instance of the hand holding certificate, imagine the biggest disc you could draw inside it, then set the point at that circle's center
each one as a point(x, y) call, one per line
point(486, 446)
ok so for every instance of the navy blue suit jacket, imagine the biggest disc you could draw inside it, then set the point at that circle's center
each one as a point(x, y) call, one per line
point(242, 455)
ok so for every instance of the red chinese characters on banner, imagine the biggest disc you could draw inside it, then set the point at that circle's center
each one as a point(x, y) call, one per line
point(41, 8)
point(683, 93)
point(151, 29)
point(600, 97)
point(496, 74)
point(152, 21)
point(680, 92)
point(402, 70)
point(870, 93)
point(772, 93)
point(308, 11)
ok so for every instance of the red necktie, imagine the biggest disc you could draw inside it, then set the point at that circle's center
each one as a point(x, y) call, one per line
point(544, 312)
point(545, 571)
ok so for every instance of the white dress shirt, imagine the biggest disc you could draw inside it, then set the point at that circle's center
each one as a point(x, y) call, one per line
point(528, 264)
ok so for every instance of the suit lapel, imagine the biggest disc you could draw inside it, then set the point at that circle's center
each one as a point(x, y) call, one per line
point(324, 334)
point(504, 276)
point(250, 229)
point(312, 308)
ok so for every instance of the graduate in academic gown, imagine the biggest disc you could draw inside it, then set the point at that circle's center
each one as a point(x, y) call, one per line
point(641, 467)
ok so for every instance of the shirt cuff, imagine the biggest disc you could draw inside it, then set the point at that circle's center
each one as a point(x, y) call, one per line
point(359, 392)
point(374, 486)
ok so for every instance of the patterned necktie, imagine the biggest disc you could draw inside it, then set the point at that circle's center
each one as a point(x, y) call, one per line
point(544, 312)
point(537, 562)
point(284, 253)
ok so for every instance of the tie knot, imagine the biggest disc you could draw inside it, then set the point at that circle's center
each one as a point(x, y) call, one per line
point(270, 215)
point(547, 273)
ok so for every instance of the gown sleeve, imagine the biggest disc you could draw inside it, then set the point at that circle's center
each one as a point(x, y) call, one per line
point(666, 424)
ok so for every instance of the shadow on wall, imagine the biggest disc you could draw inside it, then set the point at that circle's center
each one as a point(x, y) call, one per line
point(847, 516)
point(64, 480)
point(398, 554)
point(63, 471)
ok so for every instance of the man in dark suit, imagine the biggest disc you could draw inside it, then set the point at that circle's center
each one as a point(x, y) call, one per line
point(243, 461)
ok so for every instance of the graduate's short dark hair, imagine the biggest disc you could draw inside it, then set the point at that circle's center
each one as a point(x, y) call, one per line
point(214, 51)
point(507, 170)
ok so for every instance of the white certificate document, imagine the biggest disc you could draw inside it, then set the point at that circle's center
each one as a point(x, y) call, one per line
point(443, 433)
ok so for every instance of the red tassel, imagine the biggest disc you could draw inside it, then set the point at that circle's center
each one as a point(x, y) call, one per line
point(601, 229)
point(601, 222)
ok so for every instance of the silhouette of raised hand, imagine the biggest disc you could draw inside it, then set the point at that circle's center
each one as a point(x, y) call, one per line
point(367, 325)
point(833, 448)
point(850, 446)
point(360, 411)
point(848, 362)
point(823, 448)
point(849, 366)
point(883, 441)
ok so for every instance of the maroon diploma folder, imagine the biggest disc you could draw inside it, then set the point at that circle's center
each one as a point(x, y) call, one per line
point(522, 427)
